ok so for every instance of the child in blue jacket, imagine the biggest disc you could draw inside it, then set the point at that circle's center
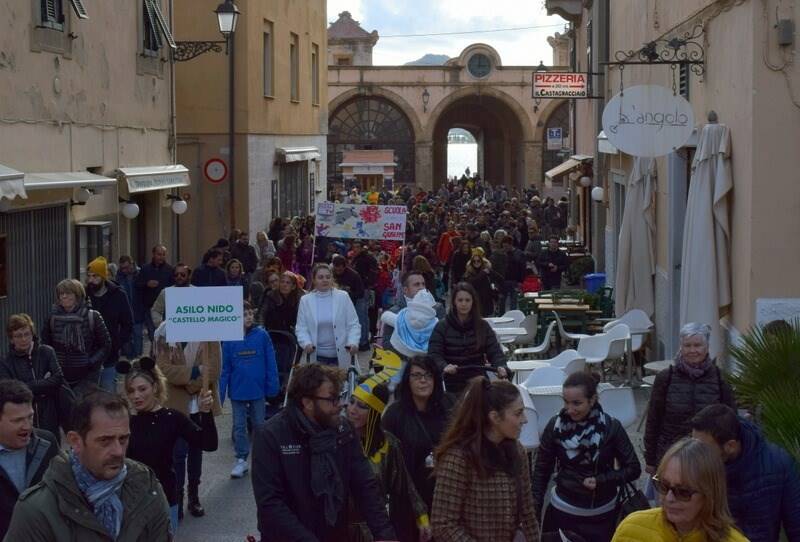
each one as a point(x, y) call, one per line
point(249, 374)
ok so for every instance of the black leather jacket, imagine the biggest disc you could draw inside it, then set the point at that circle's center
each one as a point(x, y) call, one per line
point(551, 456)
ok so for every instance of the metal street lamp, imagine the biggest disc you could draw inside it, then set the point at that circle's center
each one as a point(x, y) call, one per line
point(227, 17)
point(426, 97)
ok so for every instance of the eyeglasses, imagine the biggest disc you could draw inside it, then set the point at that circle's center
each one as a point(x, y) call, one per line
point(333, 400)
point(419, 377)
point(183, 275)
point(681, 493)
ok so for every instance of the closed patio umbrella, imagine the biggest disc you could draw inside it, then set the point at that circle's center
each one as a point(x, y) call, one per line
point(635, 258)
point(706, 273)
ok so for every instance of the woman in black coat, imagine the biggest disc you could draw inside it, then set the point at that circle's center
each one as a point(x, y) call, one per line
point(418, 418)
point(581, 444)
point(458, 261)
point(35, 365)
point(691, 384)
point(462, 338)
point(479, 275)
point(279, 313)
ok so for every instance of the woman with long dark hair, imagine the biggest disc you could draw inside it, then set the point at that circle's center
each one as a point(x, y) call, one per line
point(458, 261)
point(478, 273)
point(463, 338)
point(583, 446)
point(418, 418)
point(482, 478)
point(407, 511)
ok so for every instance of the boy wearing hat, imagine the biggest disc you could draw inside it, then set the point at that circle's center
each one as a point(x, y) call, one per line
point(109, 299)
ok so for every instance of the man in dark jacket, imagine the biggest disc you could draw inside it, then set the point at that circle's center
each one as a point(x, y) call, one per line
point(36, 366)
point(351, 282)
point(245, 253)
point(25, 452)
point(551, 264)
point(210, 272)
point(763, 479)
point(110, 301)
point(366, 266)
point(154, 277)
point(126, 277)
point(308, 465)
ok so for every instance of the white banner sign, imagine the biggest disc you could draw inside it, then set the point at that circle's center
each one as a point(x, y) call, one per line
point(560, 85)
point(212, 313)
point(350, 221)
point(648, 121)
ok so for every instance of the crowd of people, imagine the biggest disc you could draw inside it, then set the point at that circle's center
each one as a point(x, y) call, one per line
point(427, 452)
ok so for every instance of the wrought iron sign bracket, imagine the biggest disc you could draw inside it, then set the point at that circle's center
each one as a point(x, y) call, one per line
point(187, 50)
point(681, 50)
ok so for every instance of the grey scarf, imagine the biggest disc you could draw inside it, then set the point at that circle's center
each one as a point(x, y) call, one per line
point(71, 327)
point(694, 371)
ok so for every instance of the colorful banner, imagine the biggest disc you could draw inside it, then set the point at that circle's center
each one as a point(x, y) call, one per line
point(349, 221)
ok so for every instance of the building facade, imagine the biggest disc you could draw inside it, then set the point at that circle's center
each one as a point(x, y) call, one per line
point(84, 122)
point(280, 118)
point(754, 89)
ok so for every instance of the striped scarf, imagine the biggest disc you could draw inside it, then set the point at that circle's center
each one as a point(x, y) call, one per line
point(581, 440)
point(103, 495)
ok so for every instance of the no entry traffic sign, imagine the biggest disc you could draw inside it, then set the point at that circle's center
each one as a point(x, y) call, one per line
point(215, 170)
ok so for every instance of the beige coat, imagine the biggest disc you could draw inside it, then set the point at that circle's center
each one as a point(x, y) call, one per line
point(181, 386)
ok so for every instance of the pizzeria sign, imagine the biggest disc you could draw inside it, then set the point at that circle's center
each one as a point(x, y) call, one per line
point(560, 85)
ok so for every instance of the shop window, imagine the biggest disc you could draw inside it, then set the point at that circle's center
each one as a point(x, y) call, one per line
point(92, 239)
point(294, 191)
point(3, 267)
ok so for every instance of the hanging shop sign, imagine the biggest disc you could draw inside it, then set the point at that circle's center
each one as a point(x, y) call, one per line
point(555, 139)
point(648, 121)
point(560, 85)
point(212, 313)
point(348, 221)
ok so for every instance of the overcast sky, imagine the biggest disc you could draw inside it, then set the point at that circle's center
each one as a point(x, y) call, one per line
point(388, 17)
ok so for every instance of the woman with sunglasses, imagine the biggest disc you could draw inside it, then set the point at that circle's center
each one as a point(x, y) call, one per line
point(694, 502)
point(407, 511)
point(582, 444)
point(418, 418)
point(155, 429)
point(483, 482)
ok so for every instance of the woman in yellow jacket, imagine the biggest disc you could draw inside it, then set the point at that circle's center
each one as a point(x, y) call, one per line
point(691, 482)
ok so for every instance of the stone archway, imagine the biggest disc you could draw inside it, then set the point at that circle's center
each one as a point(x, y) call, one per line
point(500, 129)
point(373, 90)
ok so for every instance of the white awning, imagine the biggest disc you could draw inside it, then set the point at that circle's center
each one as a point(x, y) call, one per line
point(12, 184)
point(145, 179)
point(67, 179)
point(604, 145)
point(561, 169)
point(296, 154)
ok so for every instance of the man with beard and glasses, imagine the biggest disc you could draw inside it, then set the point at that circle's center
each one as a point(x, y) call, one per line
point(308, 464)
point(109, 299)
point(95, 494)
point(181, 279)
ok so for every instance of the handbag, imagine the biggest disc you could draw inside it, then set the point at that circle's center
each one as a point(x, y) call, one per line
point(630, 500)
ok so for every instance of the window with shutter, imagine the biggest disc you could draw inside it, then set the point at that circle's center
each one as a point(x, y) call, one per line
point(80, 9)
point(162, 24)
point(152, 38)
point(52, 14)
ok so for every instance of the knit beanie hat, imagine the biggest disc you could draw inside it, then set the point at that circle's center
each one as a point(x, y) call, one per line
point(99, 266)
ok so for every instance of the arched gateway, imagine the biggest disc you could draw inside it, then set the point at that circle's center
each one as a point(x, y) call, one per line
point(411, 109)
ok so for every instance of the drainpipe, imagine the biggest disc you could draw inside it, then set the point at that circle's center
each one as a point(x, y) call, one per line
point(173, 128)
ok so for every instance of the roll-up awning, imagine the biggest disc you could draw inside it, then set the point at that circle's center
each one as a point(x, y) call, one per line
point(66, 179)
point(146, 179)
point(296, 154)
point(12, 183)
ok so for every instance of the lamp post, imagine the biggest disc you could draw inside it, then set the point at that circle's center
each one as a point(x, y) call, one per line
point(227, 19)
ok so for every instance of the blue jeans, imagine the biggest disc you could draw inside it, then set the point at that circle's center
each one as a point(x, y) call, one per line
point(135, 347)
point(108, 379)
point(328, 361)
point(242, 410)
point(173, 518)
point(189, 459)
point(362, 310)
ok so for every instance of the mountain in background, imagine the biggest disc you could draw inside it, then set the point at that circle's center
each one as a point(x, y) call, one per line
point(429, 60)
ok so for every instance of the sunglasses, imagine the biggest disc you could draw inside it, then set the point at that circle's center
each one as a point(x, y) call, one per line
point(683, 494)
point(184, 275)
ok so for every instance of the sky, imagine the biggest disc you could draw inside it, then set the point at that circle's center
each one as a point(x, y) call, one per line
point(389, 17)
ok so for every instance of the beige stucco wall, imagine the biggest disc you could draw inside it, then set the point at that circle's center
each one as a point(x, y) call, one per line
point(765, 127)
point(92, 105)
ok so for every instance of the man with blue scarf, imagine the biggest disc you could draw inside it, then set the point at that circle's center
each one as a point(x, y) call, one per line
point(95, 493)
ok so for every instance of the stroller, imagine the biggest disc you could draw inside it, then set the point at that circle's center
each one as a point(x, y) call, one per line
point(287, 351)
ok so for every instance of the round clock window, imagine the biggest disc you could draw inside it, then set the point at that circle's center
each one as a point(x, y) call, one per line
point(479, 65)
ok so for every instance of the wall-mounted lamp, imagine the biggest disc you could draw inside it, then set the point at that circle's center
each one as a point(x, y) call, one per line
point(426, 97)
point(586, 181)
point(81, 196)
point(129, 208)
point(179, 206)
point(598, 194)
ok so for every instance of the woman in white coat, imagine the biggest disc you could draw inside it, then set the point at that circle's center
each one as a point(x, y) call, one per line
point(327, 324)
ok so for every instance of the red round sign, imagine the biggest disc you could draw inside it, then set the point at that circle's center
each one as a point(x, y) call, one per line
point(215, 170)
